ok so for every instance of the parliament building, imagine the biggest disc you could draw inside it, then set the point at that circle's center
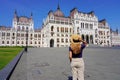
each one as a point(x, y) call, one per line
point(56, 30)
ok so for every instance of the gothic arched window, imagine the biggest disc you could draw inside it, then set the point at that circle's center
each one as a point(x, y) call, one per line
point(57, 29)
point(52, 28)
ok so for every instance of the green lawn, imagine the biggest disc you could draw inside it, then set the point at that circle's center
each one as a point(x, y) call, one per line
point(7, 54)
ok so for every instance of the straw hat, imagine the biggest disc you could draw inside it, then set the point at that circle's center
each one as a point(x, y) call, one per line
point(75, 38)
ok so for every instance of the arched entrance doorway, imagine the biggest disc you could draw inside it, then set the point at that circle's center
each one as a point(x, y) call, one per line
point(51, 43)
point(87, 39)
point(91, 39)
point(83, 37)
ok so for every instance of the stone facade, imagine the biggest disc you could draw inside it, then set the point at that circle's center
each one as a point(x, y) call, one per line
point(104, 33)
point(21, 34)
point(115, 38)
point(56, 30)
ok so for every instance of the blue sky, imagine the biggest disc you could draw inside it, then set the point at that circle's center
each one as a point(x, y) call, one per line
point(104, 9)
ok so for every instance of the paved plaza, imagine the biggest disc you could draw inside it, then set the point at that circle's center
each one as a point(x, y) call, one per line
point(53, 64)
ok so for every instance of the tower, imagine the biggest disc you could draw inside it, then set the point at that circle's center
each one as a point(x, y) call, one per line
point(21, 23)
point(14, 23)
point(31, 21)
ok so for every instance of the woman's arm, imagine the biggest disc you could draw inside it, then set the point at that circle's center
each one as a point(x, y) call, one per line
point(70, 56)
point(84, 42)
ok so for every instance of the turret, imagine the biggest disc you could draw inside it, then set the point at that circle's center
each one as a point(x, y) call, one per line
point(117, 31)
point(31, 15)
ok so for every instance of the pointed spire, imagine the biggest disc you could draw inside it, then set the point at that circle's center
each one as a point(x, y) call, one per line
point(31, 14)
point(15, 18)
point(15, 14)
point(58, 7)
point(110, 29)
point(117, 30)
point(58, 12)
